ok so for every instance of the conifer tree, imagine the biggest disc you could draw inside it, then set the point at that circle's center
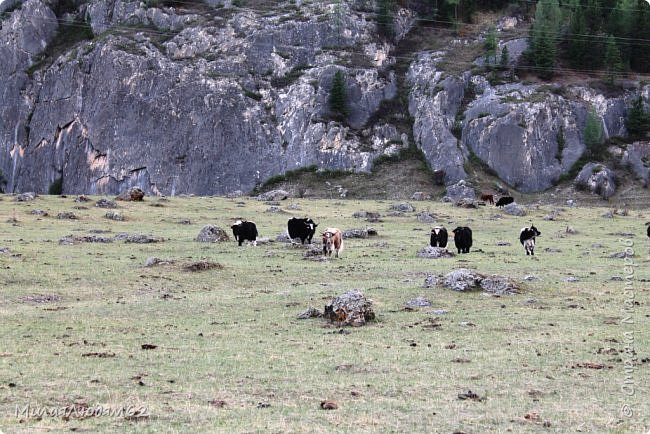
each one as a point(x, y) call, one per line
point(637, 121)
point(613, 62)
point(640, 54)
point(385, 18)
point(338, 95)
point(542, 49)
point(593, 133)
point(577, 39)
point(504, 61)
point(491, 46)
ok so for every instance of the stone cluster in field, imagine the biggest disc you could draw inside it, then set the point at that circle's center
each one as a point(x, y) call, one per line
point(212, 234)
point(434, 253)
point(351, 308)
point(463, 279)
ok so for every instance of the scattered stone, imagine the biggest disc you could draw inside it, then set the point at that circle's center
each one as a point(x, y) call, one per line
point(420, 195)
point(102, 355)
point(234, 194)
point(294, 207)
point(431, 281)
point(273, 195)
point(570, 230)
point(355, 233)
point(133, 194)
point(571, 203)
point(439, 312)
point(82, 198)
point(351, 308)
point(313, 252)
point(39, 212)
point(40, 298)
point(184, 222)
point(434, 253)
point(418, 302)
point(275, 209)
point(114, 215)
point(469, 395)
point(608, 215)
point(552, 250)
point(552, 216)
point(212, 234)
point(370, 216)
point(572, 279)
point(466, 203)
point(284, 238)
point(503, 243)
point(498, 285)
point(619, 255)
point(426, 217)
point(105, 203)
point(402, 207)
point(514, 209)
point(4, 250)
point(616, 278)
point(25, 197)
point(69, 240)
point(311, 312)
point(142, 239)
point(530, 278)
point(218, 403)
point(151, 261)
point(202, 266)
point(328, 405)
point(66, 216)
point(463, 279)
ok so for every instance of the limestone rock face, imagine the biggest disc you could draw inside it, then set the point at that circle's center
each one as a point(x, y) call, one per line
point(434, 101)
point(208, 98)
point(223, 104)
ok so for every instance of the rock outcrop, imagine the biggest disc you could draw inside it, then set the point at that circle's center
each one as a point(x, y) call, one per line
point(208, 98)
point(221, 105)
point(598, 179)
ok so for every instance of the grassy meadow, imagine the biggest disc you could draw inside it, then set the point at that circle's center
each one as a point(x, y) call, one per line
point(230, 355)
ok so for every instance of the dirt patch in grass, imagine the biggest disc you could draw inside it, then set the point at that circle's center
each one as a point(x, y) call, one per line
point(40, 298)
point(202, 266)
point(102, 355)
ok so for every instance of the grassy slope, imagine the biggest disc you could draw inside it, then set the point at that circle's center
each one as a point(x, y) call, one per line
point(231, 334)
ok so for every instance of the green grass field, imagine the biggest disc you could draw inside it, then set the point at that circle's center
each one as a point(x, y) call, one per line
point(231, 356)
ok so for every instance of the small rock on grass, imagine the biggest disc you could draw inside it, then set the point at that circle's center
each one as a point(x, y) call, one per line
point(328, 405)
point(311, 312)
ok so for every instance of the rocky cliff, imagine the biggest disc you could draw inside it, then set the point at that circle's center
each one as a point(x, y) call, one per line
point(208, 98)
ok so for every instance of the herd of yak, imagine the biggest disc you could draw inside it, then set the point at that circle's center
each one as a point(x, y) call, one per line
point(332, 238)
